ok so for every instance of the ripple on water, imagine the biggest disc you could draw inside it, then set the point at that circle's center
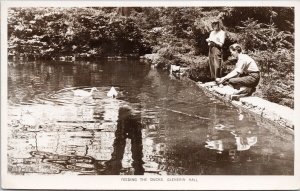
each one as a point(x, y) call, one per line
point(183, 131)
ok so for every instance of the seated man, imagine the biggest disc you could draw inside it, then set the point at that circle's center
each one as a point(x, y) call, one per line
point(245, 76)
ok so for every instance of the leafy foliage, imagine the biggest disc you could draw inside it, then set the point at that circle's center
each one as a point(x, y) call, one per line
point(176, 34)
point(277, 71)
point(282, 17)
point(254, 35)
point(65, 31)
point(273, 50)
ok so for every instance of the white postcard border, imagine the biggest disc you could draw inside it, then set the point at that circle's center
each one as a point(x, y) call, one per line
point(115, 182)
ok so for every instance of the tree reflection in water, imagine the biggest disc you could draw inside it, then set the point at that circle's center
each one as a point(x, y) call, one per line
point(72, 137)
point(129, 126)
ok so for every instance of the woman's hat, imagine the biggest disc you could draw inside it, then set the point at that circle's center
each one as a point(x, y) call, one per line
point(215, 22)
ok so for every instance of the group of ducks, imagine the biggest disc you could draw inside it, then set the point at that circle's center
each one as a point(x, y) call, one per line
point(29, 121)
point(82, 93)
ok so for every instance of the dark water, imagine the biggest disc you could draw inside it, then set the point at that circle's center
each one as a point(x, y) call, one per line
point(157, 125)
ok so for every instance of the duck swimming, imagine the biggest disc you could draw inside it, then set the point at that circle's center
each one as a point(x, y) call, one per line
point(112, 92)
point(83, 93)
point(27, 119)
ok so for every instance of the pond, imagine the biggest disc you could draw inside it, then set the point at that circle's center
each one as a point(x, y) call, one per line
point(156, 125)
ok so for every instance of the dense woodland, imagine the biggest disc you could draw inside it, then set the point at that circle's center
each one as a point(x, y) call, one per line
point(175, 35)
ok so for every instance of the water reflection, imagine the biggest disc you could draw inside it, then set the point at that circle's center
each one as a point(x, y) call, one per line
point(229, 138)
point(129, 126)
point(82, 164)
point(229, 143)
point(184, 131)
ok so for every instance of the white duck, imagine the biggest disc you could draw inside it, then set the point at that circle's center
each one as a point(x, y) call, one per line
point(82, 93)
point(27, 119)
point(112, 92)
point(29, 122)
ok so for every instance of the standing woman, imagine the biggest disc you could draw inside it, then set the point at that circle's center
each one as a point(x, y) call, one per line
point(215, 42)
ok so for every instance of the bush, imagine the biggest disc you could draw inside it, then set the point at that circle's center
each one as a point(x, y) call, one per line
point(282, 17)
point(277, 72)
point(65, 31)
point(254, 35)
point(177, 35)
point(199, 70)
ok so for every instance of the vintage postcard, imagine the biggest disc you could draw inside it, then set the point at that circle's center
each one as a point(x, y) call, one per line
point(150, 95)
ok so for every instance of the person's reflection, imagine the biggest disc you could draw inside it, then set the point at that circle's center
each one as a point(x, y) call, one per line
point(129, 126)
point(230, 143)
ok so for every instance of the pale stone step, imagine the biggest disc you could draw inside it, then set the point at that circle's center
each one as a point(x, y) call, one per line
point(280, 114)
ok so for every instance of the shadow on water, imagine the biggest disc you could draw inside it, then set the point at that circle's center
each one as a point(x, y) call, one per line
point(129, 126)
point(157, 125)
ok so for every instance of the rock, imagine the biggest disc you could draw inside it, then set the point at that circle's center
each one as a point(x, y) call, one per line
point(225, 90)
point(275, 112)
point(281, 115)
point(209, 84)
point(152, 57)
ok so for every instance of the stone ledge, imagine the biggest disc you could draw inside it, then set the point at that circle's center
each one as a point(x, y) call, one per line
point(281, 115)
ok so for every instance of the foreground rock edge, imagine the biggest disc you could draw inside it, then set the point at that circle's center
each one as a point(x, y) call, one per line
point(281, 115)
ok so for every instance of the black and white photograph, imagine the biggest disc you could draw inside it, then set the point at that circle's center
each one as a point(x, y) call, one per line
point(116, 95)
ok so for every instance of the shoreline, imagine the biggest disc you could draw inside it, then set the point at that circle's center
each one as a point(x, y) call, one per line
point(273, 112)
point(278, 114)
